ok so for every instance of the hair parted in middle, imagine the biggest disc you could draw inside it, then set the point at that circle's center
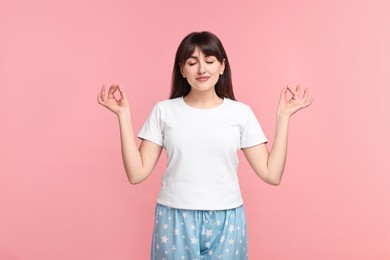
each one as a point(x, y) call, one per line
point(210, 45)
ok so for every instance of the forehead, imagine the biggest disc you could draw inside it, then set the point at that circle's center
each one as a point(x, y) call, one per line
point(198, 53)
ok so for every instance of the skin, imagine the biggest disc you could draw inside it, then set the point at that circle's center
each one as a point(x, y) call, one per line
point(269, 166)
point(202, 74)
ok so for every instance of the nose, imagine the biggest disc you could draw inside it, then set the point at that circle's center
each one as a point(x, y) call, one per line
point(201, 68)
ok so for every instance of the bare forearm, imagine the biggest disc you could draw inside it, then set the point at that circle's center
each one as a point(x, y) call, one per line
point(131, 156)
point(138, 162)
point(278, 154)
point(269, 166)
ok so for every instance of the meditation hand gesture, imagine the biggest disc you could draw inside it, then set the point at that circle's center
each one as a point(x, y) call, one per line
point(110, 102)
point(290, 106)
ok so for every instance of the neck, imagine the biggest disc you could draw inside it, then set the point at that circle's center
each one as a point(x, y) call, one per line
point(203, 99)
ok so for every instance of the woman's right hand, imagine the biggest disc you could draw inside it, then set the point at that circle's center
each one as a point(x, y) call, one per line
point(110, 102)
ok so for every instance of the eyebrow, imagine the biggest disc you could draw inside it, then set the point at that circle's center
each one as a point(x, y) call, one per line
point(206, 56)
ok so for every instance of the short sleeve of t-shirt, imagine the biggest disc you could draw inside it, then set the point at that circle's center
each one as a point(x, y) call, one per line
point(251, 131)
point(152, 128)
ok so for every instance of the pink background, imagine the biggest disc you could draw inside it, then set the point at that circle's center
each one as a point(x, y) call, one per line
point(63, 191)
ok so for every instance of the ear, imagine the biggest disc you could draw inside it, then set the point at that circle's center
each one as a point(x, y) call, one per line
point(181, 69)
point(222, 67)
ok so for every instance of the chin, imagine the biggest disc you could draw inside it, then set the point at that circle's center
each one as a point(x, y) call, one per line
point(202, 88)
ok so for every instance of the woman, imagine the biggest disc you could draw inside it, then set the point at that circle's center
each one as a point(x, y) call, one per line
point(199, 211)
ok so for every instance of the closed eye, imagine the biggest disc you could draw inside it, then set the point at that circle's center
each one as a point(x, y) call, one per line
point(192, 62)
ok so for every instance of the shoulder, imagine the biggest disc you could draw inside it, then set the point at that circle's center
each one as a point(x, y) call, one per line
point(240, 110)
point(169, 102)
point(166, 106)
point(237, 105)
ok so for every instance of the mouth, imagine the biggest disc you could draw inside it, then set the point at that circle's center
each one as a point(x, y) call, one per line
point(202, 78)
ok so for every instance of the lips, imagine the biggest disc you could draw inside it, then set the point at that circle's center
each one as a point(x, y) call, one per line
point(202, 78)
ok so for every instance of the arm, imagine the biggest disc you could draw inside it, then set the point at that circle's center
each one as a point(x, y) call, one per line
point(269, 166)
point(138, 162)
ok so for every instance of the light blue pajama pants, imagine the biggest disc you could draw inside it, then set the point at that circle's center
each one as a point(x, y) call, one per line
point(199, 234)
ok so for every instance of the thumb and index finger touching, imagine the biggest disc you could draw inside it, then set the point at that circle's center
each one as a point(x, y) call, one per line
point(113, 88)
point(122, 93)
point(295, 94)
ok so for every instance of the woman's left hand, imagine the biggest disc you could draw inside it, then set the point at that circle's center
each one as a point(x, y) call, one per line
point(295, 103)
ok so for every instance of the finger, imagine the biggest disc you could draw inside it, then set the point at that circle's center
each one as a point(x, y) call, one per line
point(283, 94)
point(293, 93)
point(305, 94)
point(308, 103)
point(298, 91)
point(123, 94)
point(290, 90)
point(99, 98)
point(112, 91)
point(284, 91)
point(103, 93)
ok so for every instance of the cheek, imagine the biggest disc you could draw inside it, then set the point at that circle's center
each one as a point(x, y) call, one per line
point(218, 73)
point(218, 69)
point(189, 70)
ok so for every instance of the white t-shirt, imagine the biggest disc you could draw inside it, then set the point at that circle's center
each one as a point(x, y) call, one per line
point(201, 146)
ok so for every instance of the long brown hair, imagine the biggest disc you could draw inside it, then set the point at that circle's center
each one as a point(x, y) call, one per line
point(210, 45)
